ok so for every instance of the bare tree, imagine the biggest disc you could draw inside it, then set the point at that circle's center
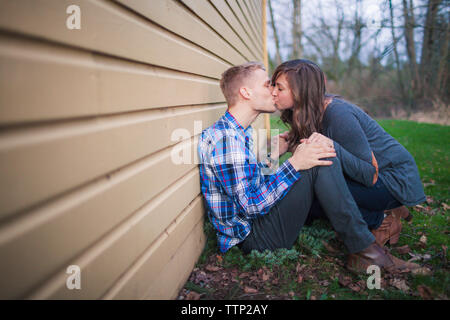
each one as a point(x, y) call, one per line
point(357, 27)
point(297, 49)
point(409, 22)
point(442, 74)
point(275, 34)
point(394, 44)
point(428, 44)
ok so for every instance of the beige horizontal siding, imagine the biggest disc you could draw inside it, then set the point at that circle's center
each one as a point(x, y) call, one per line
point(43, 154)
point(150, 265)
point(174, 16)
point(129, 240)
point(239, 13)
point(214, 19)
point(110, 29)
point(86, 145)
point(250, 15)
point(97, 84)
point(228, 14)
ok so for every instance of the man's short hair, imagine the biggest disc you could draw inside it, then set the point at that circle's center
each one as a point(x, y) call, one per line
point(233, 78)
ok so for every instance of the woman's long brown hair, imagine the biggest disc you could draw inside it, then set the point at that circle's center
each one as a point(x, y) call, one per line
point(307, 83)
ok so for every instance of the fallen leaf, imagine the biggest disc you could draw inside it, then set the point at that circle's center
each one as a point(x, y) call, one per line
point(329, 247)
point(354, 287)
point(193, 296)
point(250, 290)
point(299, 278)
point(265, 276)
point(253, 278)
point(431, 183)
point(324, 283)
point(422, 271)
point(445, 206)
point(243, 275)
point(403, 249)
point(418, 257)
point(423, 239)
point(212, 268)
point(400, 284)
point(344, 281)
point(425, 292)
point(420, 208)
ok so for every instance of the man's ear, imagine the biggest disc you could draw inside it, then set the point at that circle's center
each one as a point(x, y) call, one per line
point(245, 93)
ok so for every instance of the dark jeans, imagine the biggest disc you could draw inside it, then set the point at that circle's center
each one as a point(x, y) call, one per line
point(372, 201)
point(280, 227)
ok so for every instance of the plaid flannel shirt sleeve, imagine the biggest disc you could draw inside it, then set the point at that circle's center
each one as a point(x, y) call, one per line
point(235, 166)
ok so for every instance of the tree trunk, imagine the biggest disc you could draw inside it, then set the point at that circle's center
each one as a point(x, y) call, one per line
point(275, 34)
point(297, 30)
point(442, 76)
point(429, 38)
point(397, 60)
point(357, 28)
point(411, 49)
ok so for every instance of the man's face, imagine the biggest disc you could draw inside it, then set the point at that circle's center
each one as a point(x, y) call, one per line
point(261, 92)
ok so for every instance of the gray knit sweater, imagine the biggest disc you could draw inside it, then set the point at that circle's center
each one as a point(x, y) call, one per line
point(355, 136)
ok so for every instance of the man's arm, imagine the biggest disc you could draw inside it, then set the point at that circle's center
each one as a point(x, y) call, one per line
point(241, 178)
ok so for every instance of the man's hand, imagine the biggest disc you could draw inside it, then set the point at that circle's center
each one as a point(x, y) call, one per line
point(317, 137)
point(308, 155)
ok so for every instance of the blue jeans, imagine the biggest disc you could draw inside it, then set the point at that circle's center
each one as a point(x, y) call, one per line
point(371, 201)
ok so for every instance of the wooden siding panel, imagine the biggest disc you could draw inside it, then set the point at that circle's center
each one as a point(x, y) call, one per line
point(177, 19)
point(90, 148)
point(228, 14)
point(86, 118)
point(97, 85)
point(111, 29)
point(243, 20)
point(146, 270)
point(176, 272)
point(249, 13)
point(211, 16)
point(103, 263)
point(51, 235)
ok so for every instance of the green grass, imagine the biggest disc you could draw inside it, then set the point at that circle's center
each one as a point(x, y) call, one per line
point(321, 269)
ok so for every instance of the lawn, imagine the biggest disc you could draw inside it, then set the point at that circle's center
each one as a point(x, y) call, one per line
point(314, 268)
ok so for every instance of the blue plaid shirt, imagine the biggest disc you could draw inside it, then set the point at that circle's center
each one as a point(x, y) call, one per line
point(232, 182)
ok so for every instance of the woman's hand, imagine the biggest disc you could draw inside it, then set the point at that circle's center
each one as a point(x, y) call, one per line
point(318, 138)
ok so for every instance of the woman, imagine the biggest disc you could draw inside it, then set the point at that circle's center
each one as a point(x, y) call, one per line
point(380, 173)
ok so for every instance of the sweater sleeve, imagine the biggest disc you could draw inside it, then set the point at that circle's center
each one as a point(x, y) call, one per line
point(352, 147)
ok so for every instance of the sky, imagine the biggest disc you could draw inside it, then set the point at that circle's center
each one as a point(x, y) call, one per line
point(373, 11)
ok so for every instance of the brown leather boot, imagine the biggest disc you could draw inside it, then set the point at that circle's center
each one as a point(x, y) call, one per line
point(401, 212)
point(389, 230)
point(401, 265)
point(372, 255)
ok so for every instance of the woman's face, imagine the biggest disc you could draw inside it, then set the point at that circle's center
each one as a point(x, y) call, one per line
point(282, 94)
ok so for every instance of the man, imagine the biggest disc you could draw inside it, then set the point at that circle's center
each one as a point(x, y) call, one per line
point(259, 212)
